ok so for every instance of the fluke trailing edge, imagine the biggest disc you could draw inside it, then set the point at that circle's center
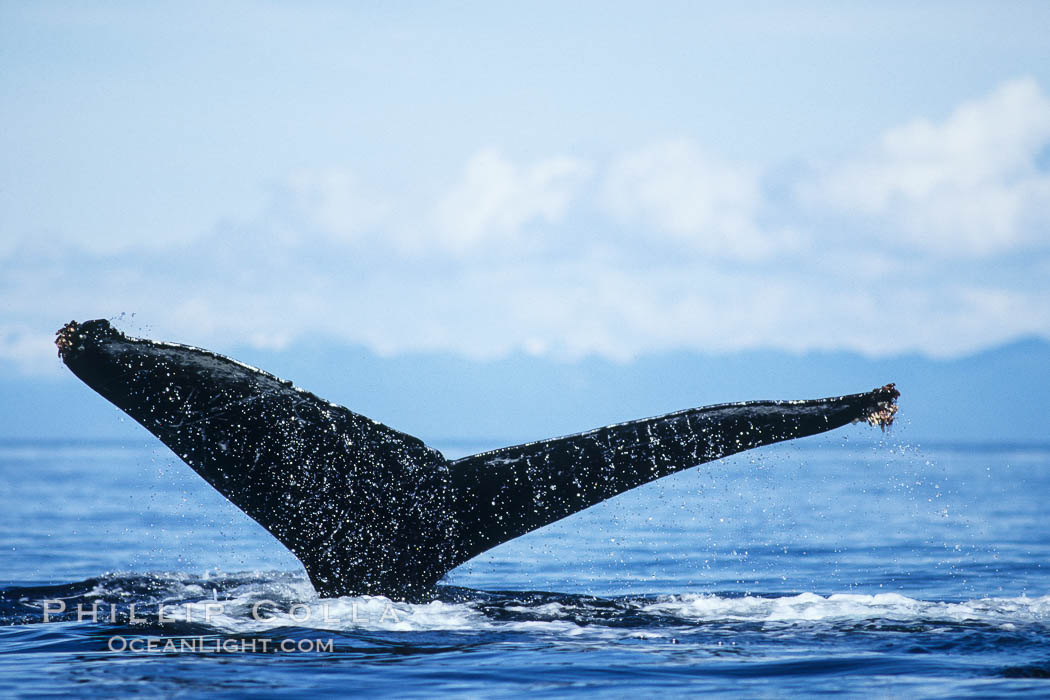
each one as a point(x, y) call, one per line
point(370, 510)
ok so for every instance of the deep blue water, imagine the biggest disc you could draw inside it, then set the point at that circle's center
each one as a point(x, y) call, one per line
point(824, 565)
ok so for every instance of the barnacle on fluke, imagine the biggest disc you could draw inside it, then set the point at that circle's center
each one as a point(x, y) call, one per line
point(370, 510)
point(884, 409)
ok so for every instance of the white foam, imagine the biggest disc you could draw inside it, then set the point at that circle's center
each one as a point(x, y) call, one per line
point(851, 606)
point(260, 603)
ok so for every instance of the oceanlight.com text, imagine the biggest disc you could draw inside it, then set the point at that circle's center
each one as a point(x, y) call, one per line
point(205, 645)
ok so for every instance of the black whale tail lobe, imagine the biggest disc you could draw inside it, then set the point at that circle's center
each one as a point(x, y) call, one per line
point(371, 510)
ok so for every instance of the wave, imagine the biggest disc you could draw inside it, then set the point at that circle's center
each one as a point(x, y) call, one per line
point(253, 603)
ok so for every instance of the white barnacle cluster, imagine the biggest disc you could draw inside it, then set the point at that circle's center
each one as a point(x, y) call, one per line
point(883, 414)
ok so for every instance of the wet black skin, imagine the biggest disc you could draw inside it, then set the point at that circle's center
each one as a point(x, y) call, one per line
point(370, 510)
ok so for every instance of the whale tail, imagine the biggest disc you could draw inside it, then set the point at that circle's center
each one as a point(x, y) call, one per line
point(510, 491)
point(371, 510)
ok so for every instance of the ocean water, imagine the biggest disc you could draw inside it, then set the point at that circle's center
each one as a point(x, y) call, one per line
point(819, 566)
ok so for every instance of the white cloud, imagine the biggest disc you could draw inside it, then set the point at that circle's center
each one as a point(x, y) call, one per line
point(496, 198)
point(700, 270)
point(566, 306)
point(492, 202)
point(969, 185)
point(30, 350)
point(334, 202)
point(708, 204)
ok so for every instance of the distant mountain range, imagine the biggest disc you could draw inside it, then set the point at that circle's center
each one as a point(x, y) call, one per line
point(1000, 395)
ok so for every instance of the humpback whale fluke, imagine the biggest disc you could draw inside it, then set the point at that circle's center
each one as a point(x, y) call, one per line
point(370, 510)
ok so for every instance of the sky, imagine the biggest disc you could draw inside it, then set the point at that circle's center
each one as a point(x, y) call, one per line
point(557, 179)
